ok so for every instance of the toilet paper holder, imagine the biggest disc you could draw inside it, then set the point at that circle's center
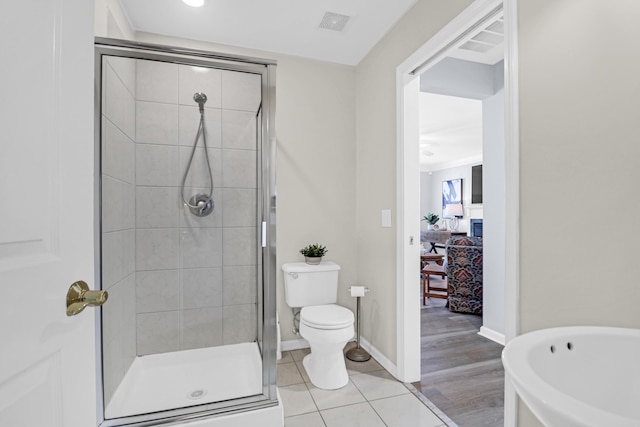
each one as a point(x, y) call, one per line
point(356, 287)
point(358, 354)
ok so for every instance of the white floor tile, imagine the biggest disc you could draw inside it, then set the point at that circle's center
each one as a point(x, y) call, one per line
point(326, 399)
point(286, 357)
point(378, 385)
point(307, 420)
point(405, 411)
point(358, 415)
point(296, 400)
point(372, 398)
point(299, 354)
point(354, 368)
point(288, 374)
point(303, 372)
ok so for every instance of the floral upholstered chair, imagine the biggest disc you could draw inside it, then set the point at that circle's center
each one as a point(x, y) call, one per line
point(464, 274)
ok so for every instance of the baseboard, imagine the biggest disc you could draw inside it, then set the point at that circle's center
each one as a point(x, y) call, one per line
point(380, 358)
point(492, 335)
point(294, 344)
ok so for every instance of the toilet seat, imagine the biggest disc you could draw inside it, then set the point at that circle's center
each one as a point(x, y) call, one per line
point(328, 317)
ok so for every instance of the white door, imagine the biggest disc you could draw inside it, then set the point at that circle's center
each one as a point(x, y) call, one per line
point(47, 360)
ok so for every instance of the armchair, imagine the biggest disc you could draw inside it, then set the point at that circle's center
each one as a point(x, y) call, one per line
point(464, 272)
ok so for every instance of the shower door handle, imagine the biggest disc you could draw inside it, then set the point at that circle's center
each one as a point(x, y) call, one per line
point(79, 296)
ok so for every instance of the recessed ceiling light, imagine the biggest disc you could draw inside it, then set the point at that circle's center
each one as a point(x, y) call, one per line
point(194, 3)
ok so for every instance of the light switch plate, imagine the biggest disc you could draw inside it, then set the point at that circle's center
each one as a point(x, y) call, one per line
point(385, 218)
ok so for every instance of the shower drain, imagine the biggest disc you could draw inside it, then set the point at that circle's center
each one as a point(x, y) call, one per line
point(197, 394)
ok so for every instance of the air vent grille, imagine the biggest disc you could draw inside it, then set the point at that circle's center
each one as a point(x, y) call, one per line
point(476, 47)
point(334, 21)
point(487, 38)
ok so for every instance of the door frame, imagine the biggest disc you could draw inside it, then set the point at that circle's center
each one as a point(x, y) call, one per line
point(407, 181)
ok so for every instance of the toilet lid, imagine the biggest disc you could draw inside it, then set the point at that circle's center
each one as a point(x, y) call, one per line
point(329, 316)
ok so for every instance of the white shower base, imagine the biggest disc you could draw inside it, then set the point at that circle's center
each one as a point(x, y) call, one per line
point(185, 378)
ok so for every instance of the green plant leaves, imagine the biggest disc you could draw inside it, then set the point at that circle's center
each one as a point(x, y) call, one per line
point(315, 250)
point(431, 218)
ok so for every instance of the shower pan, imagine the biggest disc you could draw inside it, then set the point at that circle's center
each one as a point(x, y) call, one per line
point(186, 151)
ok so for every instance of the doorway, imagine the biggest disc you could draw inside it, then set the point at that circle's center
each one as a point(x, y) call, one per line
point(408, 178)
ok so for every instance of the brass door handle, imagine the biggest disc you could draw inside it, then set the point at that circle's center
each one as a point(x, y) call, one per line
point(79, 296)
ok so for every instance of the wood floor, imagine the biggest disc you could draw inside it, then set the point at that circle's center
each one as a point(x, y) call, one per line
point(461, 371)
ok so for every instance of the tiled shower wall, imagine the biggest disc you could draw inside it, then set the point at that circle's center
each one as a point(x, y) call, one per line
point(118, 220)
point(176, 281)
point(195, 276)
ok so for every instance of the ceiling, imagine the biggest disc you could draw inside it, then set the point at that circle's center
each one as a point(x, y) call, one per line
point(289, 27)
point(450, 128)
point(450, 131)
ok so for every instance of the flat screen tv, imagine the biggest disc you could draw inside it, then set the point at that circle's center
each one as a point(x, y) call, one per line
point(476, 184)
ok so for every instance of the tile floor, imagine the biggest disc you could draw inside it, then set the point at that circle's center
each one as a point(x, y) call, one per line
point(371, 398)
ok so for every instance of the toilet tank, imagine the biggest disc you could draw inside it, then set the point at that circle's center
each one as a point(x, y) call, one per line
point(306, 284)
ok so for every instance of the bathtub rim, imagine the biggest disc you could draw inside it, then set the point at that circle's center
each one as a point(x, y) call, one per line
point(548, 398)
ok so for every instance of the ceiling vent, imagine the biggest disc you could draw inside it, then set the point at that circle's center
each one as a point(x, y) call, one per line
point(334, 21)
point(484, 43)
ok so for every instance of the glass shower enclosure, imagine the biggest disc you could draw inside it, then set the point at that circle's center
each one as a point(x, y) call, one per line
point(185, 153)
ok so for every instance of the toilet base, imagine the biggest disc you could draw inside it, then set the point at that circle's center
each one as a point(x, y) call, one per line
point(326, 370)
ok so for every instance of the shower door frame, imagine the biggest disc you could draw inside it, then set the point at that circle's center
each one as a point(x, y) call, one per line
point(265, 221)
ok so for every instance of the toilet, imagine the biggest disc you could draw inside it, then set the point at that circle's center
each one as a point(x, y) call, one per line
point(326, 326)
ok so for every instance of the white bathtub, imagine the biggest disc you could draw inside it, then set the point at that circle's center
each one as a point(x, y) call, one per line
point(578, 376)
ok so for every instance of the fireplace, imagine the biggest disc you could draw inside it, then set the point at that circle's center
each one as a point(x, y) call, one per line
point(475, 227)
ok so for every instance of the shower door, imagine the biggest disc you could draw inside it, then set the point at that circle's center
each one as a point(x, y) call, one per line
point(187, 233)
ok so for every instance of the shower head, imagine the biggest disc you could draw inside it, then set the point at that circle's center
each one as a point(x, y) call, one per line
point(200, 98)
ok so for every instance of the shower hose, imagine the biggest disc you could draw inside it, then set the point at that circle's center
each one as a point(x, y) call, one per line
point(201, 132)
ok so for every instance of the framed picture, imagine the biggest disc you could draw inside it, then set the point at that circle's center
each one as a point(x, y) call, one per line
point(452, 198)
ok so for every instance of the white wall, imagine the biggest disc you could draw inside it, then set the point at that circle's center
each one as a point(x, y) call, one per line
point(457, 77)
point(493, 198)
point(579, 148)
point(110, 21)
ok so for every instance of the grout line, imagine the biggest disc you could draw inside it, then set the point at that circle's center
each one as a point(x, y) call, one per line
point(377, 413)
point(448, 422)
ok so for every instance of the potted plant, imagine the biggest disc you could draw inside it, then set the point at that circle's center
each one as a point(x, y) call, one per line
point(431, 219)
point(313, 253)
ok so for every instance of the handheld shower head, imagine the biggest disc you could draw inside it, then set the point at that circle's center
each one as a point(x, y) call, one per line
point(200, 98)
